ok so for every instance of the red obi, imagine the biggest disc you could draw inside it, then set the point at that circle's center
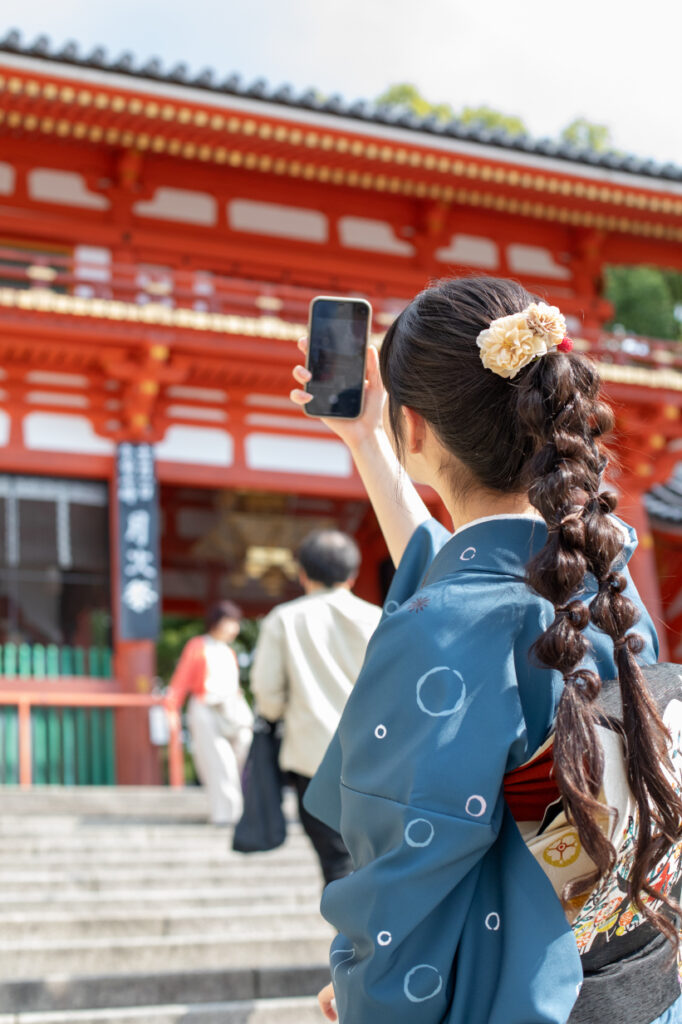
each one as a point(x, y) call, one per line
point(530, 789)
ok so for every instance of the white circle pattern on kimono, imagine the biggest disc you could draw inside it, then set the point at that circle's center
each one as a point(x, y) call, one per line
point(380, 732)
point(492, 922)
point(384, 938)
point(391, 607)
point(457, 704)
point(476, 806)
point(416, 841)
point(467, 554)
point(417, 974)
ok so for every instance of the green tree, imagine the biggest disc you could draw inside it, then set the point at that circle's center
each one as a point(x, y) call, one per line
point(587, 134)
point(645, 300)
point(404, 94)
point(492, 119)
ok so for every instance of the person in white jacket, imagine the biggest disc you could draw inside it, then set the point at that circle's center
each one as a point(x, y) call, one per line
point(308, 656)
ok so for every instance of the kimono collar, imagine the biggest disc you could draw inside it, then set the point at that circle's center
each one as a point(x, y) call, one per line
point(496, 544)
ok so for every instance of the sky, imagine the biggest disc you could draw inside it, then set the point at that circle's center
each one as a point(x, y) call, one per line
point(546, 61)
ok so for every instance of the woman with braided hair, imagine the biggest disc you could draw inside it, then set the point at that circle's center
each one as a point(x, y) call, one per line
point(507, 772)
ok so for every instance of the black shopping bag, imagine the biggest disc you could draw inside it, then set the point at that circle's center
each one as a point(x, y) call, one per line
point(262, 825)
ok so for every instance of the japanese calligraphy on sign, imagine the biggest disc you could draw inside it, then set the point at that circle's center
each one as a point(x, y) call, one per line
point(139, 570)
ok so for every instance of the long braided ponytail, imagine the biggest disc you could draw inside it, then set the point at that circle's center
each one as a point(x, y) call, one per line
point(540, 433)
point(559, 406)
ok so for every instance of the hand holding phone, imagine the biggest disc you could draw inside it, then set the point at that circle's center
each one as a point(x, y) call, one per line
point(351, 432)
point(337, 352)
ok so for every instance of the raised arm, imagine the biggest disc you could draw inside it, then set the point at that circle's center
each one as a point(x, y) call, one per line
point(395, 500)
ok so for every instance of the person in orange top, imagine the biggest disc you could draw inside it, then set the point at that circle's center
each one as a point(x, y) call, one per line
point(219, 718)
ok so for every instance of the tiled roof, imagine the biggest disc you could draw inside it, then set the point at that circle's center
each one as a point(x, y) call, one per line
point(362, 111)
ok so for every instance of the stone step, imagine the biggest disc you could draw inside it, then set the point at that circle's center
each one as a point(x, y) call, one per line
point(302, 1010)
point(66, 823)
point(184, 877)
point(29, 959)
point(69, 826)
point(35, 869)
point(123, 906)
point(149, 803)
point(69, 992)
point(46, 927)
point(218, 896)
point(64, 826)
point(120, 801)
point(216, 840)
point(92, 863)
point(126, 849)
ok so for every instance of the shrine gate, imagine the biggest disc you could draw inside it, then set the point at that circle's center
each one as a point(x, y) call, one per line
point(161, 235)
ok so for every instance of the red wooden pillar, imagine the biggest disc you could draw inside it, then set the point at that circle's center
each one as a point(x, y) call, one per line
point(374, 551)
point(25, 759)
point(137, 761)
point(643, 563)
point(668, 546)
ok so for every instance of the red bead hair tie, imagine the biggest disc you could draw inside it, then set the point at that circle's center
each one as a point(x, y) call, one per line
point(565, 346)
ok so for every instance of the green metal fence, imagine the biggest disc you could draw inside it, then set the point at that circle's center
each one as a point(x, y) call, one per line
point(9, 745)
point(38, 661)
point(69, 745)
point(73, 746)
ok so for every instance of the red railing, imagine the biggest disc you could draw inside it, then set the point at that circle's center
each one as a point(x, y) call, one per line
point(205, 291)
point(24, 700)
point(174, 287)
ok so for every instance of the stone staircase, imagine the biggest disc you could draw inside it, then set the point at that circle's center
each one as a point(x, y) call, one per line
point(120, 906)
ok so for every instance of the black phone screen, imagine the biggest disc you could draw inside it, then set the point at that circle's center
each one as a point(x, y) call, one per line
point(339, 330)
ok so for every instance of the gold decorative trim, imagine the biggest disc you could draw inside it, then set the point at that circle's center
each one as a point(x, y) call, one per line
point(642, 376)
point(41, 300)
point(159, 111)
point(44, 301)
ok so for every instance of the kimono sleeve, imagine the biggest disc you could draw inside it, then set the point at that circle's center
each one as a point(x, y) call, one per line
point(423, 546)
point(425, 740)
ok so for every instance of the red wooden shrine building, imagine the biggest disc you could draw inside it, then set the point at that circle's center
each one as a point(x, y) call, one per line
point(160, 238)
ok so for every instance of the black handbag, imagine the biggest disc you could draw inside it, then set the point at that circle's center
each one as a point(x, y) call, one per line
point(262, 825)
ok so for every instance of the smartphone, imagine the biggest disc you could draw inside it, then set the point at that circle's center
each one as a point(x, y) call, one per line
point(338, 335)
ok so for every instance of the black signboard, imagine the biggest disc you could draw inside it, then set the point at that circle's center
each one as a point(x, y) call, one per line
point(138, 543)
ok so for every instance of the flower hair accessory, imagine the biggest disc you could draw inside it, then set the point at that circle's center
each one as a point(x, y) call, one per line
point(511, 342)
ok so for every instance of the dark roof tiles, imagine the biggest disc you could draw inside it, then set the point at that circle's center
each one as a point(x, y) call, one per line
point(358, 110)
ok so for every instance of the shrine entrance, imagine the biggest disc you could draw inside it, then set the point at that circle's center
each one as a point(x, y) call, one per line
point(240, 545)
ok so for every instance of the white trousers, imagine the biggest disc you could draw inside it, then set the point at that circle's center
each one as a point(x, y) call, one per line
point(219, 761)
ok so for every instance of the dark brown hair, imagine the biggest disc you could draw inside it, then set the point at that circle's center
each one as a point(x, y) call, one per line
point(540, 433)
point(222, 610)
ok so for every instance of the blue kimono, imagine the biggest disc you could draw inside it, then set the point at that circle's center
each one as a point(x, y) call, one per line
point(447, 917)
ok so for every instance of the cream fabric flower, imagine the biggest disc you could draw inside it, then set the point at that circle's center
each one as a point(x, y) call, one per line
point(547, 321)
point(508, 345)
